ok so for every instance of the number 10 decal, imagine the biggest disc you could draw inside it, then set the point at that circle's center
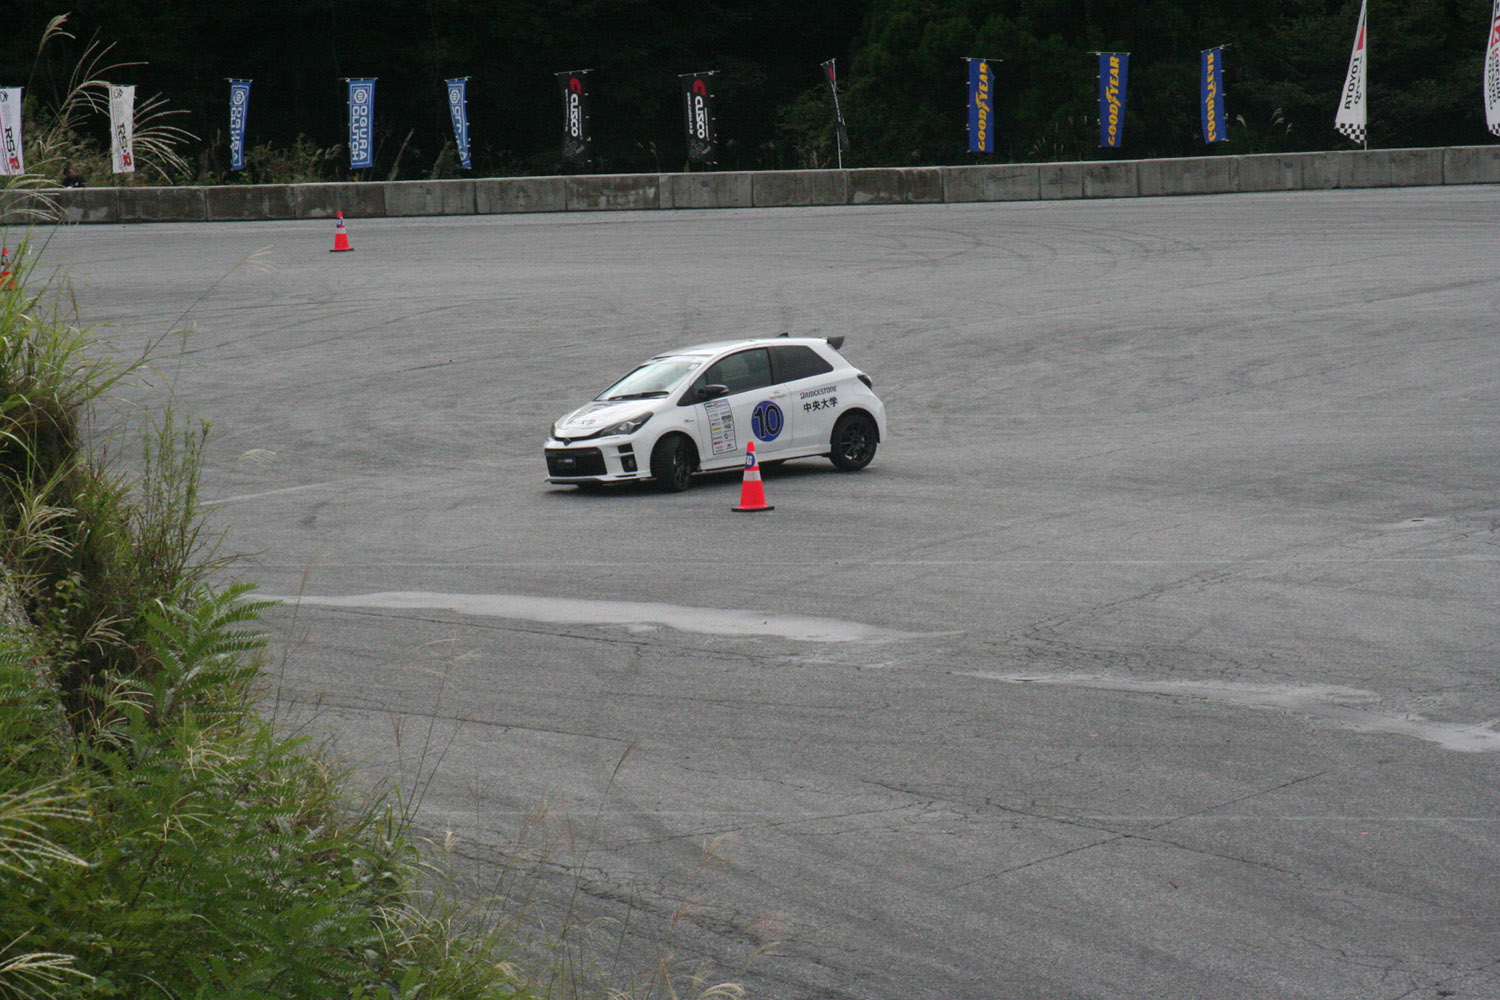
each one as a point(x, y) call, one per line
point(766, 421)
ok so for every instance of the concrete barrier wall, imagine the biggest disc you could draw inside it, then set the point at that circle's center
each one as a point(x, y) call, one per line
point(764, 189)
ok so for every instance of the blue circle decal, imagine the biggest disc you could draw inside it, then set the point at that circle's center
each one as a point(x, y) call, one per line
point(766, 421)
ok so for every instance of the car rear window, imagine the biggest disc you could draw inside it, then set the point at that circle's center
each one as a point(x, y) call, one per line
point(794, 362)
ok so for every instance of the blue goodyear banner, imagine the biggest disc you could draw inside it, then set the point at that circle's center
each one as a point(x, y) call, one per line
point(1211, 96)
point(1114, 70)
point(458, 107)
point(981, 107)
point(239, 109)
point(361, 124)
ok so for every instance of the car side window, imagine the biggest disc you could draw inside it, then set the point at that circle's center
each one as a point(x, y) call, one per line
point(793, 362)
point(741, 372)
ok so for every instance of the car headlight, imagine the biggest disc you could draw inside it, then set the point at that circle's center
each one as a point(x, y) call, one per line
point(630, 426)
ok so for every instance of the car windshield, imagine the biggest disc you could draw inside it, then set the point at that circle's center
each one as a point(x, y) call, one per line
point(656, 377)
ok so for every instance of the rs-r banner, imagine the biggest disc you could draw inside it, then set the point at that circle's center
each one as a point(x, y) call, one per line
point(1114, 73)
point(12, 156)
point(458, 110)
point(698, 105)
point(1211, 96)
point(122, 128)
point(239, 110)
point(362, 124)
point(576, 123)
point(1492, 74)
point(981, 106)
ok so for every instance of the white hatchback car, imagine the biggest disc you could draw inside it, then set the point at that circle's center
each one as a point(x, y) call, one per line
point(693, 410)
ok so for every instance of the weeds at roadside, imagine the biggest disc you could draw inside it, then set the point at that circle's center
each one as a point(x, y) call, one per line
point(187, 847)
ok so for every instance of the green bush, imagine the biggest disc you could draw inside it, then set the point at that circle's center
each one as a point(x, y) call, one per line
point(157, 837)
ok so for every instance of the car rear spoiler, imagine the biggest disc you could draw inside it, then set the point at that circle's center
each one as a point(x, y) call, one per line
point(833, 342)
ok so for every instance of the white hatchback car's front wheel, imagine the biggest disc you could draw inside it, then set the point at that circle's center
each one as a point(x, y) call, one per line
point(672, 462)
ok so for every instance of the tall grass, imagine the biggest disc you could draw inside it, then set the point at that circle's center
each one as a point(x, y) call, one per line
point(57, 132)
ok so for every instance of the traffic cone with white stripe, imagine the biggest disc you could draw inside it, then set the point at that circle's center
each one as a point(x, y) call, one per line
point(752, 492)
point(340, 237)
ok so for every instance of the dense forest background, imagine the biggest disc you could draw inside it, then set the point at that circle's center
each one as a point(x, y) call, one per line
point(902, 78)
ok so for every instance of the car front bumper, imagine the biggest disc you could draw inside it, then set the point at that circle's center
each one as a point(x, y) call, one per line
point(594, 462)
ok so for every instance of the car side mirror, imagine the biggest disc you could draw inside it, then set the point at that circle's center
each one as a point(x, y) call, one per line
point(712, 392)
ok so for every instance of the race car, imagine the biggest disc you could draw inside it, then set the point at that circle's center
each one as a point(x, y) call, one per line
point(693, 410)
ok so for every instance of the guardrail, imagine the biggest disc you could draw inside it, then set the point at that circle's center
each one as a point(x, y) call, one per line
point(765, 189)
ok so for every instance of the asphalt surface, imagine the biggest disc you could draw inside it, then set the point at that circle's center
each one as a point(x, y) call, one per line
point(1154, 655)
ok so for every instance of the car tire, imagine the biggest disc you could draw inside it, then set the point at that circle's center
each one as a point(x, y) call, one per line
point(672, 462)
point(853, 443)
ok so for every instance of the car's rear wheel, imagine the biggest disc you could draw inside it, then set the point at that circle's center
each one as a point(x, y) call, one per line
point(853, 443)
point(672, 462)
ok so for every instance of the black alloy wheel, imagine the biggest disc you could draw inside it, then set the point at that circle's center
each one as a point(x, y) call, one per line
point(672, 463)
point(853, 444)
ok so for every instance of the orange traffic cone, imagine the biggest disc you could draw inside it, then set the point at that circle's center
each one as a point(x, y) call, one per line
point(7, 280)
point(340, 237)
point(752, 493)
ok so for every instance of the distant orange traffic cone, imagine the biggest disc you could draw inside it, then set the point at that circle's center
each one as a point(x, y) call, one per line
point(752, 492)
point(340, 237)
point(7, 280)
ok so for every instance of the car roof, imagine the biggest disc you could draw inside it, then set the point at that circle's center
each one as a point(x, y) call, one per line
point(719, 346)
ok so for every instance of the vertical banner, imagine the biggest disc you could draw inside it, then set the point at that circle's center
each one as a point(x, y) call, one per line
point(830, 73)
point(361, 123)
point(12, 156)
point(1350, 119)
point(122, 128)
point(576, 122)
point(982, 106)
point(1492, 75)
point(239, 109)
point(698, 104)
point(1211, 96)
point(458, 109)
point(1114, 72)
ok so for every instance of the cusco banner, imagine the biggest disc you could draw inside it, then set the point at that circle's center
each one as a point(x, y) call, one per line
point(575, 95)
point(1114, 69)
point(458, 110)
point(1211, 95)
point(361, 124)
point(239, 109)
point(698, 105)
point(981, 107)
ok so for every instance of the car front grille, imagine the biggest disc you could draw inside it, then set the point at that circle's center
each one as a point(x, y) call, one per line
point(575, 462)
